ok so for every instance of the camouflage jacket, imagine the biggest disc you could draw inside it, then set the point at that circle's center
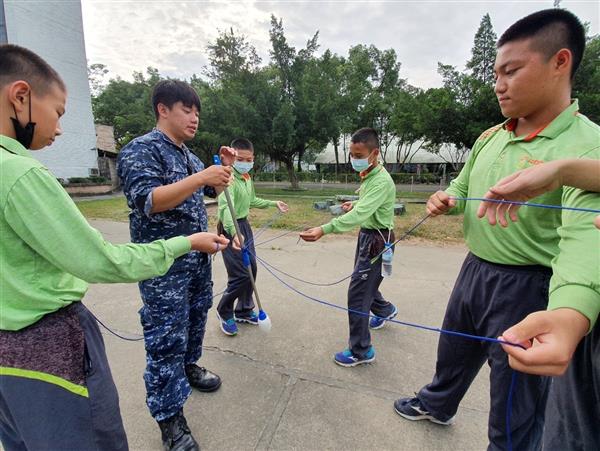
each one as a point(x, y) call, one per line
point(150, 161)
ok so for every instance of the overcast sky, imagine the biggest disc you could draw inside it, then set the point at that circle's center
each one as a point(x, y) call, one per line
point(172, 36)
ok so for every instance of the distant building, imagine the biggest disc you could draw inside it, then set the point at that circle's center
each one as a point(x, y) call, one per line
point(416, 159)
point(54, 30)
point(107, 153)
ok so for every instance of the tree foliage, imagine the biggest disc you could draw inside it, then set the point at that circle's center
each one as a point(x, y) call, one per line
point(301, 100)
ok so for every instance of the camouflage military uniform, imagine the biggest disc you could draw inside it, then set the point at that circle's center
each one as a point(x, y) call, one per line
point(175, 305)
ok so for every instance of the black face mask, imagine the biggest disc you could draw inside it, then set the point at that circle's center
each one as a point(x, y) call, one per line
point(23, 134)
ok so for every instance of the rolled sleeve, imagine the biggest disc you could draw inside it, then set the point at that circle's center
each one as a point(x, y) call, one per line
point(140, 173)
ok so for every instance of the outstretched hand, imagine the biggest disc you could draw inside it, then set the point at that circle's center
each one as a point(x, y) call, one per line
point(520, 187)
point(313, 234)
point(550, 338)
point(282, 206)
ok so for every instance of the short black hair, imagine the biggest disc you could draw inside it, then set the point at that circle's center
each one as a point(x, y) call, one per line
point(242, 144)
point(169, 92)
point(367, 136)
point(551, 30)
point(19, 63)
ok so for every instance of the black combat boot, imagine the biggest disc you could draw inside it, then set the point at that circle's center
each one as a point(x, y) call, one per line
point(202, 379)
point(176, 435)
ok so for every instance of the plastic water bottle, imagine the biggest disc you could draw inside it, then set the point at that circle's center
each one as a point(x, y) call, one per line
point(386, 261)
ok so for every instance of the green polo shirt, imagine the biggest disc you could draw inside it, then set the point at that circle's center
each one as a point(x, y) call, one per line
point(540, 235)
point(243, 198)
point(48, 251)
point(374, 208)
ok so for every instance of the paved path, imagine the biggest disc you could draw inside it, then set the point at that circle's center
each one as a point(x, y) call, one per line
point(282, 390)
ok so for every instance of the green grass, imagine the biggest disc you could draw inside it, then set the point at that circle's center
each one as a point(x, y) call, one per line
point(111, 209)
point(447, 229)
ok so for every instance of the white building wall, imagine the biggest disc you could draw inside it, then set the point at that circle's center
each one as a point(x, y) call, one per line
point(54, 30)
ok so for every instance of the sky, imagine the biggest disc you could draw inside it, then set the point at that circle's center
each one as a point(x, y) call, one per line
point(172, 36)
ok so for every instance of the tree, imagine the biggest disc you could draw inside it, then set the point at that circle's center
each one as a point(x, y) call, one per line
point(466, 105)
point(231, 55)
point(295, 125)
point(97, 78)
point(483, 53)
point(587, 80)
point(127, 105)
point(333, 92)
point(408, 123)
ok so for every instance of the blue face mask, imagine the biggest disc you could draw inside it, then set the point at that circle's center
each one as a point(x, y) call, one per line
point(243, 167)
point(360, 164)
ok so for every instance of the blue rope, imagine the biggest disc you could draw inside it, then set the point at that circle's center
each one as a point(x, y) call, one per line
point(422, 327)
point(265, 263)
point(404, 323)
point(527, 204)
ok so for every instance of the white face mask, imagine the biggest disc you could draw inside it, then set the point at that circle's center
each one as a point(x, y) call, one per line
point(243, 167)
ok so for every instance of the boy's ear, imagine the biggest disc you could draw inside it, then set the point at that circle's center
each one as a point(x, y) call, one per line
point(19, 94)
point(563, 60)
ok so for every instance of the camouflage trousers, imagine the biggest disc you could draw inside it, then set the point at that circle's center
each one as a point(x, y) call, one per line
point(174, 319)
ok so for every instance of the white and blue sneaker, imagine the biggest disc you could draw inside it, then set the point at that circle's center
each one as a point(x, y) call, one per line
point(378, 322)
point(228, 327)
point(347, 359)
point(412, 409)
point(250, 318)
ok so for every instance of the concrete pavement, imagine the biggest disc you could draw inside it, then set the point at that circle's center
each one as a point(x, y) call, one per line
point(281, 390)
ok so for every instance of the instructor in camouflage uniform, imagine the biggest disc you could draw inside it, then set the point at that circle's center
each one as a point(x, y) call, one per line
point(165, 185)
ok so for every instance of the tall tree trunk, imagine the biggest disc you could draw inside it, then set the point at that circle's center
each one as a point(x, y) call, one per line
point(337, 156)
point(289, 164)
point(300, 155)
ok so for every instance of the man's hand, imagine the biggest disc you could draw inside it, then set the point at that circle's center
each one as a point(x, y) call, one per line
point(236, 244)
point(313, 234)
point(208, 242)
point(282, 206)
point(227, 155)
point(550, 337)
point(521, 187)
point(216, 176)
point(347, 206)
point(439, 203)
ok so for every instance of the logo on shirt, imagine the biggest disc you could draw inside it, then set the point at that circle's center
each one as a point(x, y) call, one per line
point(527, 162)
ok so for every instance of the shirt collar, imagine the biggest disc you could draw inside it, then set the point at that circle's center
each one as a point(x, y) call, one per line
point(14, 146)
point(559, 124)
point(165, 138)
point(371, 170)
point(239, 175)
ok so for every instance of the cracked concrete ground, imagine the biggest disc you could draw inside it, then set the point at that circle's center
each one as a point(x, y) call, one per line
point(282, 390)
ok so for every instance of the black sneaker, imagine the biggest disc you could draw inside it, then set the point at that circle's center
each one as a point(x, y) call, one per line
point(412, 409)
point(176, 435)
point(202, 379)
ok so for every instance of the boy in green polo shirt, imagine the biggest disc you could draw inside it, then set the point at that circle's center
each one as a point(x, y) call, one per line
point(506, 275)
point(563, 340)
point(374, 212)
point(56, 389)
point(243, 198)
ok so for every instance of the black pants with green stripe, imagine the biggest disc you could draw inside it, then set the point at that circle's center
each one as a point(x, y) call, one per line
point(56, 389)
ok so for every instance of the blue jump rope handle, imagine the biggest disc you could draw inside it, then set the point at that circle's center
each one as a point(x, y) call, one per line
point(216, 160)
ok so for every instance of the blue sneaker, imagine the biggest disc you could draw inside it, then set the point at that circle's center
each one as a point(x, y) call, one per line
point(412, 409)
point(229, 327)
point(347, 359)
point(377, 322)
point(251, 318)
